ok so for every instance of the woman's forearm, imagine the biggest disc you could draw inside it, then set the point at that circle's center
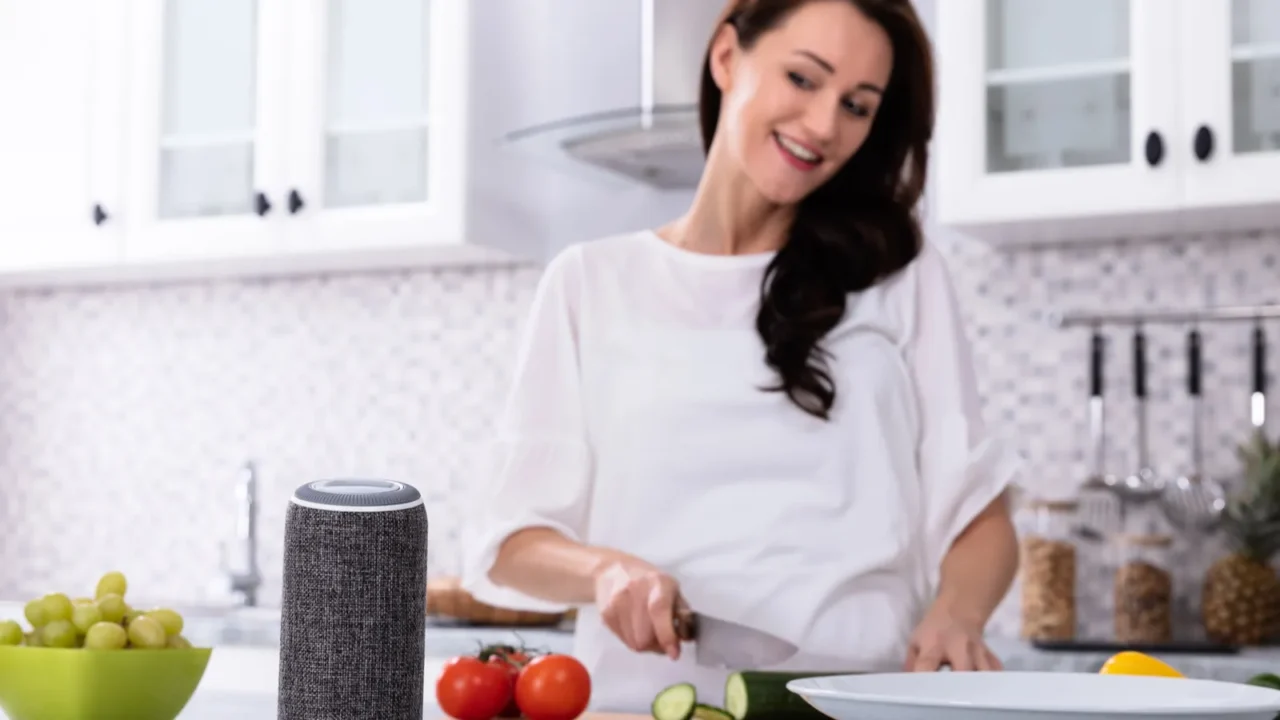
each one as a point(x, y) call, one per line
point(545, 564)
point(980, 567)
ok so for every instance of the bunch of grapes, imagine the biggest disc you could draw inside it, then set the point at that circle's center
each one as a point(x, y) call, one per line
point(105, 622)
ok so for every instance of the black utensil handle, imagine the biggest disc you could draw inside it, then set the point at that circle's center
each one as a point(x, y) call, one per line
point(1097, 356)
point(1139, 365)
point(1195, 371)
point(1259, 360)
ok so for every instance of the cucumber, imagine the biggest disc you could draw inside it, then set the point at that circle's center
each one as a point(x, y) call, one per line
point(763, 695)
point(677, 702)
point(710, 712)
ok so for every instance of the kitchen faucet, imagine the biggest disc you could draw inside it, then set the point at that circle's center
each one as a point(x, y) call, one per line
point(245, 577)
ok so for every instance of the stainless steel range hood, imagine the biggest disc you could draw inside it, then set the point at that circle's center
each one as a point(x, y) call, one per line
point(652, 138)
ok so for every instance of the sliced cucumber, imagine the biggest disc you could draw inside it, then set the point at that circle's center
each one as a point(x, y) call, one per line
point(677, 702)
point(763, 695)
point(710, 712)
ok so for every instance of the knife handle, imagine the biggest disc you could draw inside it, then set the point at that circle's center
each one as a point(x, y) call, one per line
point(685, 623)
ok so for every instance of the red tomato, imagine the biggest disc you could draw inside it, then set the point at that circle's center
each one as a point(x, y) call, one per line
point(512, 670)
point(469, 689)
point(553, 687)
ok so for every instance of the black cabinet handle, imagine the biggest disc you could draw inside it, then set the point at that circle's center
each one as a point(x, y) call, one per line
point(1194, 365)
point(261, 204)
point(1203, 143)
point(295, 202)
point(1097, 361)
point(99, 214)
point(1154, 148)
point(1259, 365)
point(1139, 365)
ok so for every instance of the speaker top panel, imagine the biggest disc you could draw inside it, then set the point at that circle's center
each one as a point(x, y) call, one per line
point(357, 495)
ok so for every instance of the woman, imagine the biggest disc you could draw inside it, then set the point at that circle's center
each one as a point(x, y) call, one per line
point(764, 410)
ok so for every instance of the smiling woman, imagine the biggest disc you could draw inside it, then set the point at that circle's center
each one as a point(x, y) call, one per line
point(764, 411)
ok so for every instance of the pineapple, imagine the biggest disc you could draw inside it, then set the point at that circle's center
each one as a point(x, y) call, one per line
point(1241, 601)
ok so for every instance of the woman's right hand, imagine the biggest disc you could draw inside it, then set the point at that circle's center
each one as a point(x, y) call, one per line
point(638, 601)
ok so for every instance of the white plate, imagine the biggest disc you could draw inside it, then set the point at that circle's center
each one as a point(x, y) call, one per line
point(1032, 696)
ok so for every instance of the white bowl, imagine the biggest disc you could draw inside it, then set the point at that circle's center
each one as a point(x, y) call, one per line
point(1032, 696)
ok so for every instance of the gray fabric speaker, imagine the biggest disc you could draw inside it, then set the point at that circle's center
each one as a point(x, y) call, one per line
point(353, 611)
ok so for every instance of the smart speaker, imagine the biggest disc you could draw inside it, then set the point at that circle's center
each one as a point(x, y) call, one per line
point(353, 611)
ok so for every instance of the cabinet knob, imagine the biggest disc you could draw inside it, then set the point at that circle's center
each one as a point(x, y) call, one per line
point(1204, 143)
point(261, 204)
point(295, 202)
point(99, 214)
point(1154, 148)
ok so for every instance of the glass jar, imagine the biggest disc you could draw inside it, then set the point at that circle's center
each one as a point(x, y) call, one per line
point(1049, 571)
point(1143, 589)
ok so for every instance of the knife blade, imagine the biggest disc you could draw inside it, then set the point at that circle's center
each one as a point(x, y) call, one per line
point(729, 645)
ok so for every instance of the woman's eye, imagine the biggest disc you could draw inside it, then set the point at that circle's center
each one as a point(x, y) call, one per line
point(799, 80)
point(857, 109)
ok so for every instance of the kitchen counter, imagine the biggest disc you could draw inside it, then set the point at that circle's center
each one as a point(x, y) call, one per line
point(242, 676)
point(241, 682)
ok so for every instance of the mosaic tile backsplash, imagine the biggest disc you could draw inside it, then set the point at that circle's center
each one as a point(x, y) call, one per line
point(126, 413)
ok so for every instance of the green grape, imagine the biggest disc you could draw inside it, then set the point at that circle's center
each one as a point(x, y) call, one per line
point(177, 642)
point(58, 634)
point(169, 619)
point(57, 607)
point(10, 633)
point(85, 617)
point(130, 614)
point(34, 611)
point(112, 607)
point(113, 583)
point(146, 633)
point(106, 636)
point(82, 601)
point(33, 639)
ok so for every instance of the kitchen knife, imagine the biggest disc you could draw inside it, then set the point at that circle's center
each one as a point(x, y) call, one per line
point(728, 645)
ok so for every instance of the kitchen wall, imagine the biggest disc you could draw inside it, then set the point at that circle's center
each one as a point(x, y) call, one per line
point(125, 413)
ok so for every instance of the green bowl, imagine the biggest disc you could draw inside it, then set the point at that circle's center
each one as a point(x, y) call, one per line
point(75, 684)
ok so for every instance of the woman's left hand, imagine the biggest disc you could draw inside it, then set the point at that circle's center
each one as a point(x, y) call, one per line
point(942, 638)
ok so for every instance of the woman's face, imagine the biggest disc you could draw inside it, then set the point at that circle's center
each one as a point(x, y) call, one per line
point(800, 103)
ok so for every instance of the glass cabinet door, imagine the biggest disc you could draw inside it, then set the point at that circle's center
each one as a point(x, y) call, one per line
point(206, 147)
point(208, 119)
point(375, 151)
point(1058, 84)
point(1231, 106)
point(375, 111)
point(1255, 76)
point(1054, 114)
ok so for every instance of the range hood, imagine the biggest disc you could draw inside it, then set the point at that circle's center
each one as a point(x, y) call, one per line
point(653, 136)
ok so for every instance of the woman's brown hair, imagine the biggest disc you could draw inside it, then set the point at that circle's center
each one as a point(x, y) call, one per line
point(857, 228)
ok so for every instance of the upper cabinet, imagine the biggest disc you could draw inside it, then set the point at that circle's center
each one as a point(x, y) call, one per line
point(61, 159)
point(1067, 119)
point(143, 137)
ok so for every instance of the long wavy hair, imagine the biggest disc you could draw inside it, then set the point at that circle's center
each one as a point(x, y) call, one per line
point(859, 227)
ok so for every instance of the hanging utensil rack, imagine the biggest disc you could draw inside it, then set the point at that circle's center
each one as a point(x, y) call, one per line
point(1223, 313)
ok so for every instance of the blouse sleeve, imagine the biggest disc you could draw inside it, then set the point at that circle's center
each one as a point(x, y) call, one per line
point(962, 467)
point(540, 474)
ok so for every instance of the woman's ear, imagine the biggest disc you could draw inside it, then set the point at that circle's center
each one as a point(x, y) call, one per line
point(724, 52)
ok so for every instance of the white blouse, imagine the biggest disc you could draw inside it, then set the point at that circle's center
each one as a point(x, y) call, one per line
point(636, 421)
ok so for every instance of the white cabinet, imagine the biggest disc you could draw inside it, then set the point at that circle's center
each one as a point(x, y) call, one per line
point(207, 101)
point(60, 134)
point(195, 137)
point(1070, 119)
point(297, 132)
